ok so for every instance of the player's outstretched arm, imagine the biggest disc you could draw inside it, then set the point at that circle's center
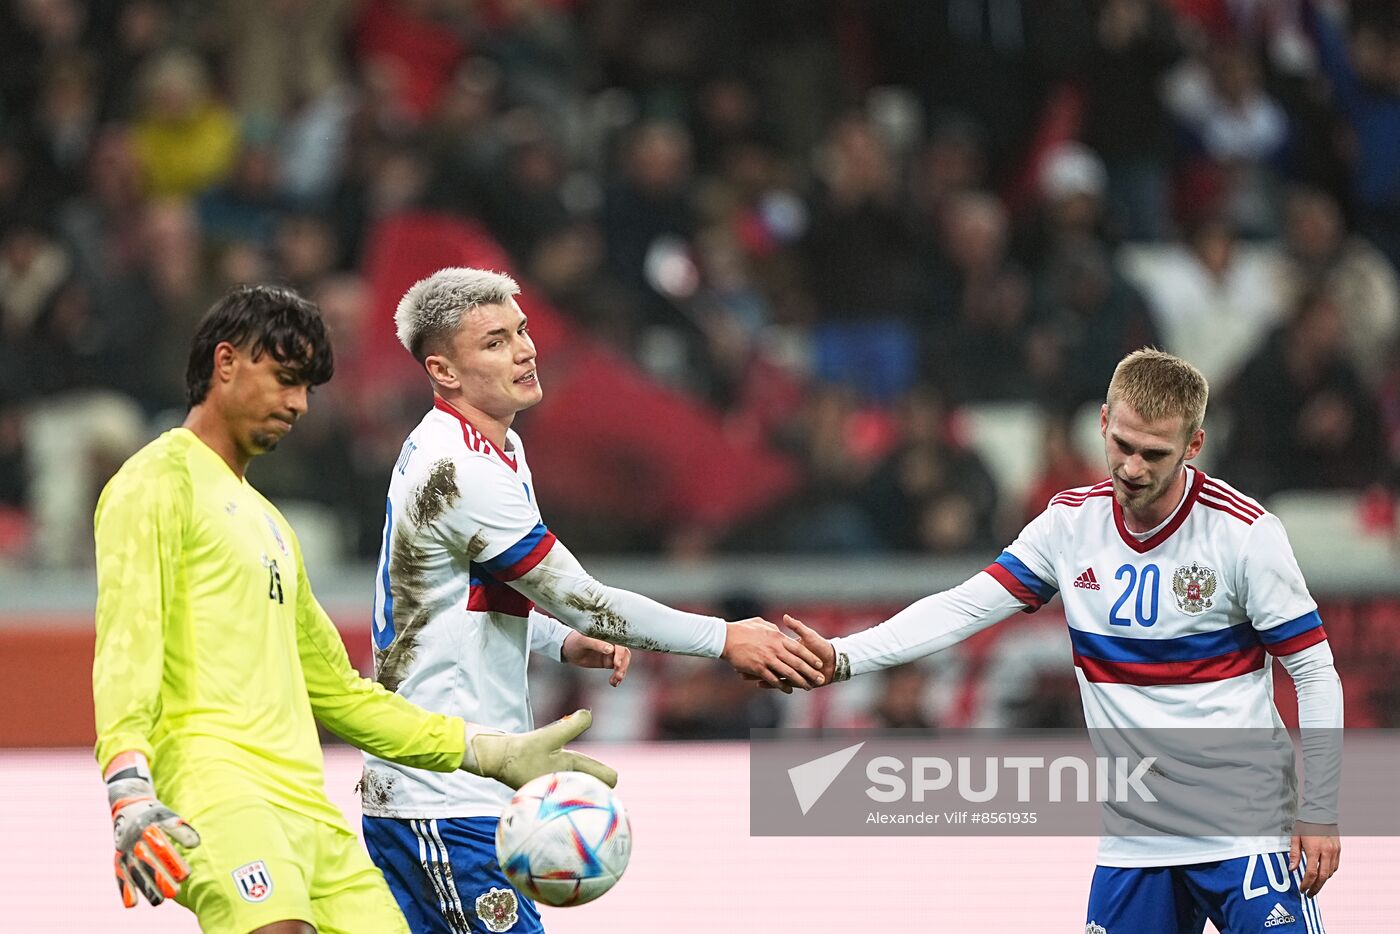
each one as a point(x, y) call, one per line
point(142, 828)
point(927, 626)
point(516, 758)
point(561, 586)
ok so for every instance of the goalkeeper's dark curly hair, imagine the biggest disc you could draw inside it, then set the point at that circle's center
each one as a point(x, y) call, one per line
point(261, 319)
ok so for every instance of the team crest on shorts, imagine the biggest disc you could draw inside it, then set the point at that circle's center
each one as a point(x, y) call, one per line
point(1193, 585)
point(254, 881)
point(498, 909)
point(1092, 928)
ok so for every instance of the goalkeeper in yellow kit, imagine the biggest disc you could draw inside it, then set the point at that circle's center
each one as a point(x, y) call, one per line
point(214, 661)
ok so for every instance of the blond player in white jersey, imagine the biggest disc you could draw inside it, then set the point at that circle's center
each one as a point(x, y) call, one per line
point(1177, 590)
point(466, 557)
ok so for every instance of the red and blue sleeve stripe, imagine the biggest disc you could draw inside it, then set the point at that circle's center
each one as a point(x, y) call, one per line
point(489, 595)
point(1195, 659)
point(1021, 582)
point(1294, 635)
point(520, 559)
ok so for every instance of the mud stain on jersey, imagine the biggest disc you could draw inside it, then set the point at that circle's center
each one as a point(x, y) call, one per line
point(375, 790)
point(606, 623)
point(476, 546)
point(408, 571)
point(437, 493)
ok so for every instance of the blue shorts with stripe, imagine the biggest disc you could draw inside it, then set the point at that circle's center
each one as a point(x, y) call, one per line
point(444, 875)
point(1248, 895)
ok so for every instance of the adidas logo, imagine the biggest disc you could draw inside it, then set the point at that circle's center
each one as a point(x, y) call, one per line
point(1278, 917)
point(1087, 581)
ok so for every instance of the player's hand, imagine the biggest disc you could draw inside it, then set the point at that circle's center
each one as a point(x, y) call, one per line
point(1322, 852)
point(515, 758)
point(142, 828)
point(816, 643)
point(759, 650)
point(586, 652)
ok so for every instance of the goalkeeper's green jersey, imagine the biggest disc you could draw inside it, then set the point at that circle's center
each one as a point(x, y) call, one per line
point(213, 657)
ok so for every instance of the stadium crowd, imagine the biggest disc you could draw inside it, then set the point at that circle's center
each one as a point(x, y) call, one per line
point(836, 226)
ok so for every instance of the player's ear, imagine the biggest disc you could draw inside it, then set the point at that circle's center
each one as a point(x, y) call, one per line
point(225, 359)
point(1198, 440)
point(442, 371)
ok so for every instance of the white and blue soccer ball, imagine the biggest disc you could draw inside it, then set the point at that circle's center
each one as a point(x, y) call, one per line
point(564, 839)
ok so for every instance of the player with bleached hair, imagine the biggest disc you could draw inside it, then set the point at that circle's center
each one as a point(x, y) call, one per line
point(1177, 589)
point(214, 662)
point(466, 558)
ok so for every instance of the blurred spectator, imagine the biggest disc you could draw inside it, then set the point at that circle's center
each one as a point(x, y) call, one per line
point(1072, 186)
point(1126, 122)
point(868, 276)
point(901, 703)
point(525, 201)
point(103, 224)
point(954, 161)
point(832, 438)
point(538, 49)
point(249, 205)
point(1215, 298)
point(186, 141)
point(66, 122)
point(407, 54)
point(1320, 251)
point(465, 140)
point(1364, 75)
point(60, 355)
point(306, 251)
point(983, 303)
point(1302, 418)
point(1239, 129)
point(284, 55)
point(1089, 318)
point(931, 494)
point(648, 213)
point(1062, 467)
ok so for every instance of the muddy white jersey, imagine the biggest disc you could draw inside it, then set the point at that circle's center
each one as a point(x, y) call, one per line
point(1175, 630)
point(450, 634)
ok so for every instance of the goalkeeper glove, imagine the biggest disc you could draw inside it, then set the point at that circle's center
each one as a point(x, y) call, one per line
point(142, 827)
point(515, 758)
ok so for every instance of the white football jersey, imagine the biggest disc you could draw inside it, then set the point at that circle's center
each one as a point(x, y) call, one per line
point(450, 634)
point(1172, 631)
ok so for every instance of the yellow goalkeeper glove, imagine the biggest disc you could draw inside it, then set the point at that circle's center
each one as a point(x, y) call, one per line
point(515, 758)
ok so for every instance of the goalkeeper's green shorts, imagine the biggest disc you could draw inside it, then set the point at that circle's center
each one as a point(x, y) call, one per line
point(258, 863)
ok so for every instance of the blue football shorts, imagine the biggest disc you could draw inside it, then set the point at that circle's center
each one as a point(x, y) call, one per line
point(1247, 895)
point(444, 875)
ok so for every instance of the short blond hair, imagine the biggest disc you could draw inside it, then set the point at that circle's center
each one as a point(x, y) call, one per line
point(1158, 385)
point(431, 311)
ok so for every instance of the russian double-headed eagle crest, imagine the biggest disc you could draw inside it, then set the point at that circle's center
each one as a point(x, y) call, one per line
point(498, 909)
point(1194, 585)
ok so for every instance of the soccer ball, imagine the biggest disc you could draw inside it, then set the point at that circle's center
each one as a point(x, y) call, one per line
point(564, 839)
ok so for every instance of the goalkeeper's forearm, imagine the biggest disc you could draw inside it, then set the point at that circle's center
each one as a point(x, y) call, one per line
point(561, 586)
